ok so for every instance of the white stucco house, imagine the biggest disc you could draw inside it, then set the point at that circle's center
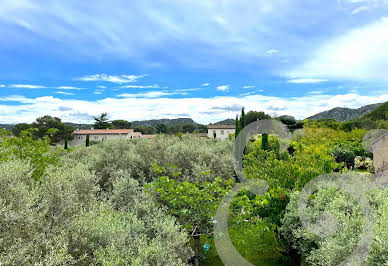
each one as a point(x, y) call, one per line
point(220, 131)
point(104, 134)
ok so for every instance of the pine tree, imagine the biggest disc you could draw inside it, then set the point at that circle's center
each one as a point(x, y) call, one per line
point(87, 141)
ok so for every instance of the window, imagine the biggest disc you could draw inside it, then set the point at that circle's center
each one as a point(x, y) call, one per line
point(222, 132)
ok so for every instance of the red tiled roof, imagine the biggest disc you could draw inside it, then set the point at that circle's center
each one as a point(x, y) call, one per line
point(102, 131)
point(222, 126)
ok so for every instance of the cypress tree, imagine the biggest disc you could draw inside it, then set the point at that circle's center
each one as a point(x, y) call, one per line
point(237, 122)
point(66, 144)
point(264, 142)
point(242, 119)
point(87, 141)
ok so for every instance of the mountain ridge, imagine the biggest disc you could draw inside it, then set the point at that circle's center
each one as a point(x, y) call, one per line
point(344, 114)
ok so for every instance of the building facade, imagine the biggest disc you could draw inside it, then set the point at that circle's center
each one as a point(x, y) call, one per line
point(104, 134)
point(380, 154)
point(220, 131)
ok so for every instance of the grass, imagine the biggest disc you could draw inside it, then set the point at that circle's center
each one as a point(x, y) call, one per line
point(253, 242)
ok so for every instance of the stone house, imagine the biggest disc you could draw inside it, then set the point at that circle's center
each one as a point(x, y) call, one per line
point(380, 154)
point(104, 134)
point(220, 131)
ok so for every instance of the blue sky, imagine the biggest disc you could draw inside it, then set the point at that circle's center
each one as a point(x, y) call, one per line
point(203, 59)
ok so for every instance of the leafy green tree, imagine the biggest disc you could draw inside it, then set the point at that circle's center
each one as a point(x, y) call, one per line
point(36, 151)
point(193, 204)
point(188, 128)
point(121, 124)
point(161, 128)
point(253, 116)
point(102, 122)
point(45, 124)
point(19, 128)
point(148, 130)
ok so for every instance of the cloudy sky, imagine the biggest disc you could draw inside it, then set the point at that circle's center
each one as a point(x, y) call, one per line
point(144, 59)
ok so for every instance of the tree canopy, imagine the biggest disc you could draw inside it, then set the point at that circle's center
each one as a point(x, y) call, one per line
point(102, 122)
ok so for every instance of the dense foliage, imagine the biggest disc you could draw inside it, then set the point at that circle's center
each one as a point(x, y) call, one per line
point(138, 201)
point(331, 249)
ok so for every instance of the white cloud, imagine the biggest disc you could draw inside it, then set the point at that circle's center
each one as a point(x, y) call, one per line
point(223, 88)
point(300, 81)
point(149, 94)
point(64, 93)
point(202, 110)
point(359, 9)
point(155, 86)
point(112, 78)
point(272, 51)
point(69, 88)
point(184, 90)
point(98, 92)
point(101, 87)
point(249, 87)
point(26, 86)
point(2, 86)
point(16, 98)
point(360, 54)
point(205, 84)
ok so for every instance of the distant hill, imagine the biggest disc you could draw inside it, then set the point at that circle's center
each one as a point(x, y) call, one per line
point(225, 122)
point(79, 126)
point(8, 127)
point(167, 122)
point(345, 114)
point(153, 123)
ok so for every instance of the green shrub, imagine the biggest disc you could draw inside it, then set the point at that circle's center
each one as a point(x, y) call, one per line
point(332, 249)
point(189, 155)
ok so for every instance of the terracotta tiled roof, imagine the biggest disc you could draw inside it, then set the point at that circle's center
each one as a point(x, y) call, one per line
point(102, 131)
point(221, 126)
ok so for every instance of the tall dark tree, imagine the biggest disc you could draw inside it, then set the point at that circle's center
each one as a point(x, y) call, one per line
point(237, 122)
point(121, 124)
point(66, 146)
point(264, 142)
point(161, 128)
point(253, 116)
point(87, 143)
point(102, 122)
point(242, 119)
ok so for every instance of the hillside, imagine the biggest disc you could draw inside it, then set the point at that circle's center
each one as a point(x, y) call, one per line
point(345, 114)
point(380, 113)
point(225, 122)
point(167, 122)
